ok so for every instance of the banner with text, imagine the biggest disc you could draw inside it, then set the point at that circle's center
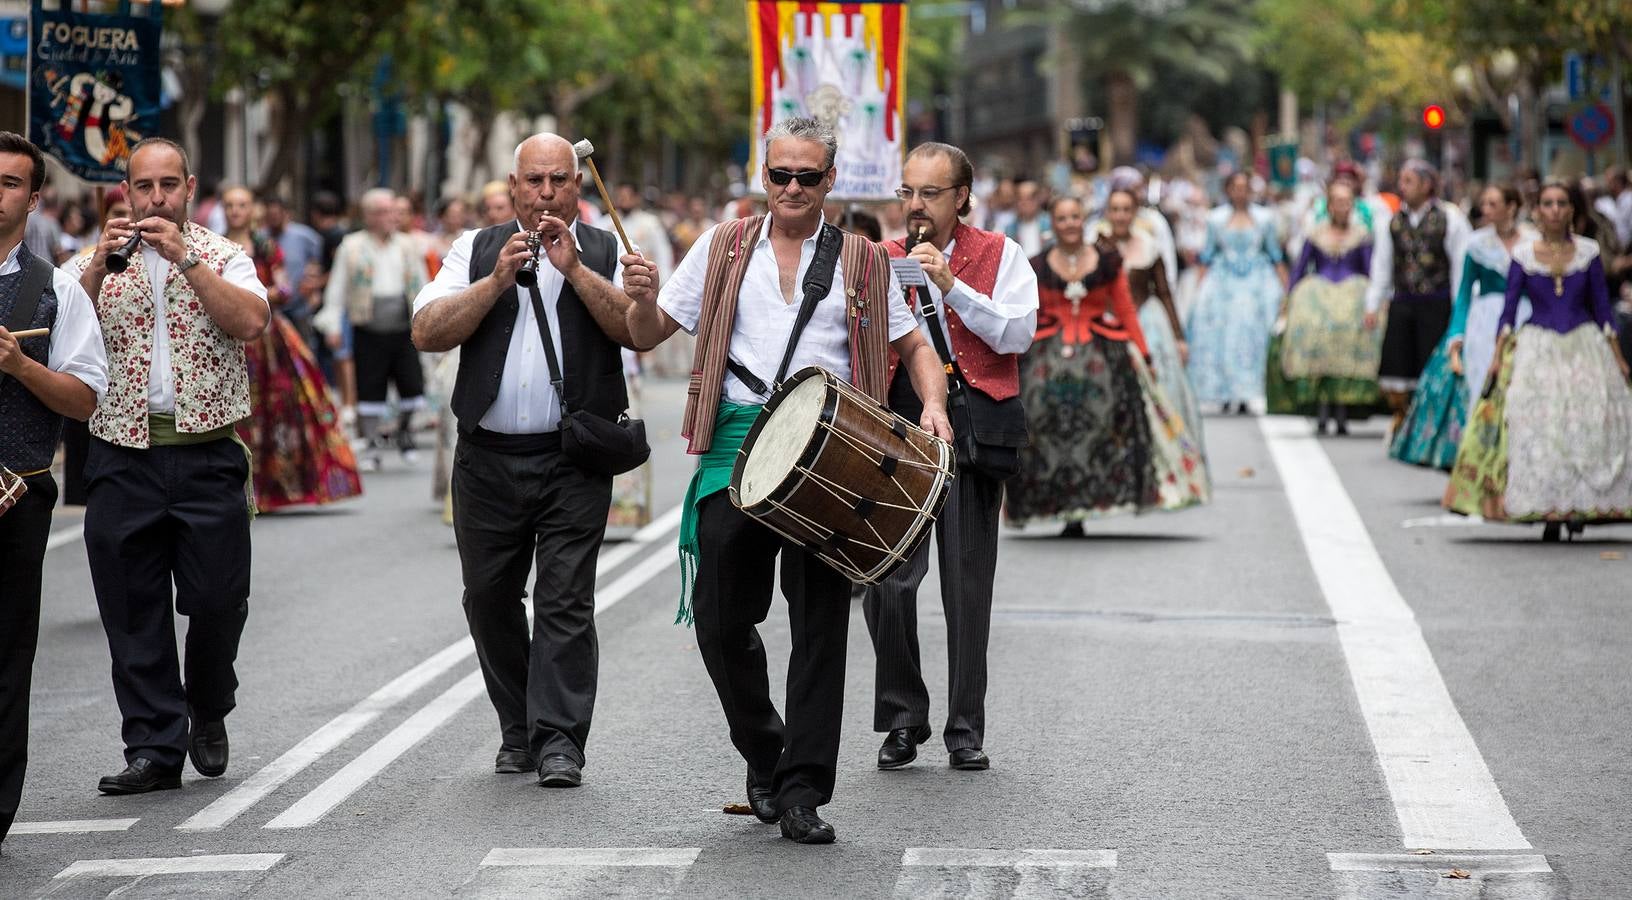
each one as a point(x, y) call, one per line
point(93, 88)
point(842, 63)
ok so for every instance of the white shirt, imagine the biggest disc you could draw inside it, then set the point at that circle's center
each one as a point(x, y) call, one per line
point(1029, 235)
point(1006, 320)
point(161, 380)
point(1457, 232)
point(651, 240)
point(526, 402)
point(765, 318)
point(76, 336)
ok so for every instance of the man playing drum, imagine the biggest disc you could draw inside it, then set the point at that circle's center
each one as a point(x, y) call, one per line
point(739, 292)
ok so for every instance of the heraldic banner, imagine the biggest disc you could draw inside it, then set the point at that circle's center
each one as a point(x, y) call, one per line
point(842, 63)
point(93, 87)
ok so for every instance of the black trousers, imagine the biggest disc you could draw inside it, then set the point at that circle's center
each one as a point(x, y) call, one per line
point(735, 573)
point(156, 518)
point(384, 358)
point(966, 544)
point(508, 511)
point(23, 534)
point(1413, 332)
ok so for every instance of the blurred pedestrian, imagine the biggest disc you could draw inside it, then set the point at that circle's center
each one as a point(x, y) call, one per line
point(1030, 228)
point(644, 228)
point(497, 208)
point(1242, 280)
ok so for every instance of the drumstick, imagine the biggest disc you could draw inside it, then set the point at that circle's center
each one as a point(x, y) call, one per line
point(584, 150)
point(32, 332)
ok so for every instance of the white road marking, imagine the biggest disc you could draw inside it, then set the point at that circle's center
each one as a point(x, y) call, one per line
point(1442, 789)
point(1448, 520)
point(592, 856)
point(73, 826)
point(170, 865)
point(960, 857)
point(62, 537)
point(371, 762)
point(324, 740)
point(649, 568)
point(982, 873)
point(1484, 864)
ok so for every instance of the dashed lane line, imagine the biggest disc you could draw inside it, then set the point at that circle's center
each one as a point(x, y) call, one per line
point(62, 537)
point(72, 826)
point(591, 856)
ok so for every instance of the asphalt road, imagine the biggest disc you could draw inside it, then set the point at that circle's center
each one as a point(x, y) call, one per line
point(1284, 694)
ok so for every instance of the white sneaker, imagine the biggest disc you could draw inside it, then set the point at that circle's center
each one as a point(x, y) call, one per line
point(370, 463)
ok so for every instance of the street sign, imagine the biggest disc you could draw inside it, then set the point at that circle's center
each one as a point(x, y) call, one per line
point(1591, 125)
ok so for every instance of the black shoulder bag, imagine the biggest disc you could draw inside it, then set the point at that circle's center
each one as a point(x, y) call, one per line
point(818, 283)
point(994, 452)
point(588, 441)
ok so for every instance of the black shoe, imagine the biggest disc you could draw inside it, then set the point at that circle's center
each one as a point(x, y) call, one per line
point(901, 746)
point(141, 776)
point(207, 747)
point(513, 762)
point(558, 770)
point(969, 759)
point(1551, 532)
point(762, 800)
point(1071, 530)
point(801, 825)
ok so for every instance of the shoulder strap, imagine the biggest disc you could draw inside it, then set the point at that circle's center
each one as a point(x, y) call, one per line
point(544, 333)
point(818, 284)
point(36, 278)
point(931, 314)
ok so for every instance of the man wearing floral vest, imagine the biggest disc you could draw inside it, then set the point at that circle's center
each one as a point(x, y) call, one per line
point(987, 296)
point(167, 511)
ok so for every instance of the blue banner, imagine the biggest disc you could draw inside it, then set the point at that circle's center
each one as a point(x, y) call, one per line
point(93, 88)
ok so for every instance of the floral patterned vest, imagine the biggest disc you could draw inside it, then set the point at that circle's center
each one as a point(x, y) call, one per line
point(1422, 268)
point(207, 364)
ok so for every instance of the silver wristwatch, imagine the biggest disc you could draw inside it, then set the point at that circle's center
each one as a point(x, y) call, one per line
point(191, 260)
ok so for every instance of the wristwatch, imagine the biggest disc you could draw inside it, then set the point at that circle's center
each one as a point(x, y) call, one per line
point(191, 260)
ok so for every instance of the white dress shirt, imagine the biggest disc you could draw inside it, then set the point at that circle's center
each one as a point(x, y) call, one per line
point(765, 318)
point(76, 336)
point(1006, 320)
point(161, 380)
point(526, 402)
point(1457, 232)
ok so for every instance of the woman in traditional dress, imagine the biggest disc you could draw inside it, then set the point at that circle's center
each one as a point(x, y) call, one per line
point(1551, 439)
point(1103, 440)
point(1158, 317)
point(1455, 374)
point(1323, 358)
point(1242, 281)
point(298, 450)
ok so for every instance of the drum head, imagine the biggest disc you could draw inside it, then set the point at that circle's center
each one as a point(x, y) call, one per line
point(782, 439)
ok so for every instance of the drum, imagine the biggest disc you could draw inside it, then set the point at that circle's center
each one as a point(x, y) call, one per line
point(12, 488)
point(830, 469)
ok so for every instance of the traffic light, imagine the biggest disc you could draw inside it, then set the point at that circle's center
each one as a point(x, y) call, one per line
point(1433, 116)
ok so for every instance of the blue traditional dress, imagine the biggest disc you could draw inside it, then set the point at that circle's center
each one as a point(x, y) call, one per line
point(1235, 309)
point(1326, 355)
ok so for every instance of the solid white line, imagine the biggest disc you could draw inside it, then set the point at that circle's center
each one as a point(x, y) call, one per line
point(1442, 789)
point(960, 858)
point(253, 789)
point(177, 865)
point(371, 762)
point(73, 826)
point(1448, 520)
point(65, 536)
point(632, 580)
point(673, 857)
point(637, 542)
point(1493, 864)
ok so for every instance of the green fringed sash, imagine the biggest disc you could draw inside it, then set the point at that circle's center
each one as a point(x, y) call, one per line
point(713, 475)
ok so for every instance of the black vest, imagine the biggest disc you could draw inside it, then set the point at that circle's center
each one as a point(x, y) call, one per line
point(28, 429)
point(591, 364)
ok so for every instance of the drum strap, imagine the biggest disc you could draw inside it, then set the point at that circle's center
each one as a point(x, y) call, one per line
point(36, 278)
point(818, 283)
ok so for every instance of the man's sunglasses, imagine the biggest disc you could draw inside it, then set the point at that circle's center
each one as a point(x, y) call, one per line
point(780, 177)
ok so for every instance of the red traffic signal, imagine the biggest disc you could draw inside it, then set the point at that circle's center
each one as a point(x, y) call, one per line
point(1433, 116)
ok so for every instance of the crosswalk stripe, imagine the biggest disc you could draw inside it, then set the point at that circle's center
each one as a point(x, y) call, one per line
point(958, 857)
point(592, 856)
point(73, 826)
point(171, 865)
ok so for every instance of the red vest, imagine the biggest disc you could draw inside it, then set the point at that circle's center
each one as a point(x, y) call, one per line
point(976, 255)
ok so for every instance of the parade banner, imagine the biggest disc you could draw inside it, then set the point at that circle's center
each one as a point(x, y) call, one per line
point(93, 88)
point(842, 63)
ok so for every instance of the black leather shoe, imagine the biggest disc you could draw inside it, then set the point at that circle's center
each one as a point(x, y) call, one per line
point(141, 776)
point(207, 748)
point(901, 746)
point(762, 800)
point(969, 759)
point(801, 825)
point(557, 770)
point(513, 762)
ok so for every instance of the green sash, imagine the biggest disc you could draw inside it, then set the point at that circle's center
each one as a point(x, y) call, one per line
point(161, 430)
point(713, 475)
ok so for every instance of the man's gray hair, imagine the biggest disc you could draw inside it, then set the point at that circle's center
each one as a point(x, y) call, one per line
point(373, 196)
point(805, 128)
point(515, 162)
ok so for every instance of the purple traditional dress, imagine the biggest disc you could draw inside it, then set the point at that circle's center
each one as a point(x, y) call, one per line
point(1551, 440)
point(1327, 357)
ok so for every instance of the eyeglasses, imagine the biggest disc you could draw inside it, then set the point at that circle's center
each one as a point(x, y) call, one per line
point(928, 194)
point(806, 179)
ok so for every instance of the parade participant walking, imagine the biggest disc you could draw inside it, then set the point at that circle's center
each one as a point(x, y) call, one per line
point(1548, 441)
point(1455, 376)
point(376, 275)
point(1323, 358)
point(739, 290)
point(987, 296)
point(168, 477)
point(43, 380)
point(1243, 277)
point(1417, 262)
point(1102, 442)
point(1158, 316)
point(516, 497)
point(298, 450)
